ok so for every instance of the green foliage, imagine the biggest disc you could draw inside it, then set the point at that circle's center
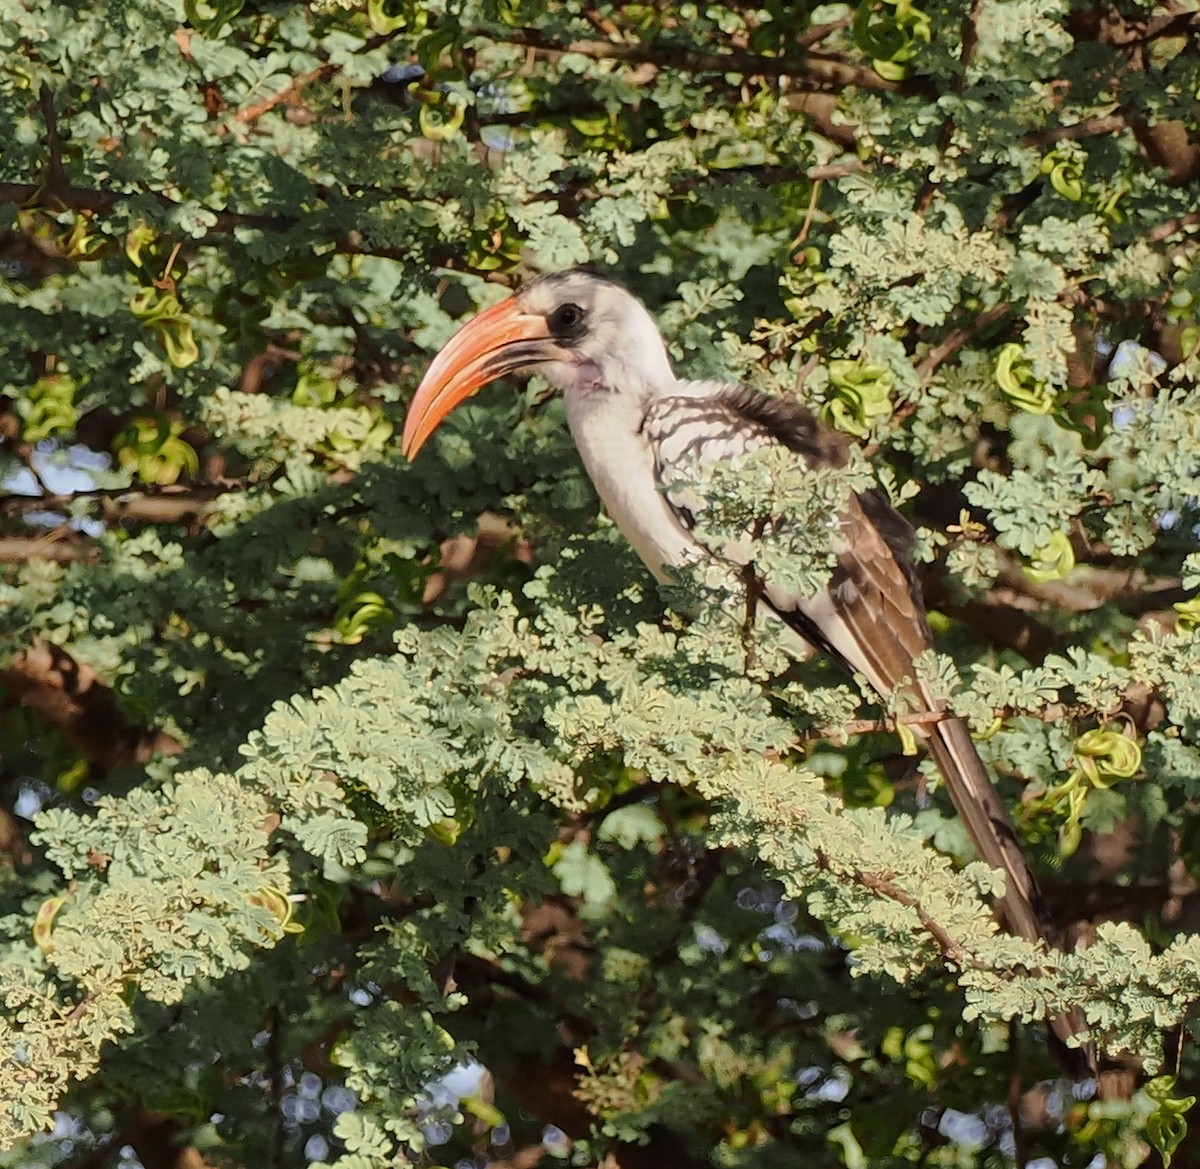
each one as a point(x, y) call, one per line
point(352, 772)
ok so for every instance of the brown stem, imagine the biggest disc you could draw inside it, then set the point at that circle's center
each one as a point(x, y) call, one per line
point(951, 950)
point(819, 32)
point(1088, 128)
point(954, 341)
point(970, 37)
point(253, 112)
point(826, 68)
point(59, 548)
point(870, 726)
point(1171, 226)
point(55, 174)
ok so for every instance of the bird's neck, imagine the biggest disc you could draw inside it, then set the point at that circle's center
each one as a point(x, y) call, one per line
point(631, 357)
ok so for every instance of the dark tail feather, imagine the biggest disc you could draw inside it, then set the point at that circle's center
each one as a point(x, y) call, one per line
point(1021, 908)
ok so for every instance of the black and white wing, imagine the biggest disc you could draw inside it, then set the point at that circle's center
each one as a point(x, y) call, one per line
point(870, 616)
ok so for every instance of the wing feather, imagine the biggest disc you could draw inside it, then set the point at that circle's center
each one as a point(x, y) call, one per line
point(870, 616)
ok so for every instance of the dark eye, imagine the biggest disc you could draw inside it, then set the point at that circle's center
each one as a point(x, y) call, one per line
point(567, 321)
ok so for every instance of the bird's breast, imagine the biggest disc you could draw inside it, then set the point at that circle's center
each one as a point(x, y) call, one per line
point(607, 429)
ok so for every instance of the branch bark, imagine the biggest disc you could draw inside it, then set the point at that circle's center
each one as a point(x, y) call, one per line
point(824, 67)
point(20, 550)
point(71, 697)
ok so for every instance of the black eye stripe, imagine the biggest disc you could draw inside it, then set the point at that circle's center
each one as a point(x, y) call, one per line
point(568, 322)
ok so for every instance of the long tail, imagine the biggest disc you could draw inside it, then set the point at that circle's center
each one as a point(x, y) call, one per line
point(1022, 907)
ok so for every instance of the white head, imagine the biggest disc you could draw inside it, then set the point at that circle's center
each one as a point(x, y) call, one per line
point(583, 334)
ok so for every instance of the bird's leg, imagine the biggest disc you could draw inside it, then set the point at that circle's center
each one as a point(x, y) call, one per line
point(753, 590)
point(753, 587)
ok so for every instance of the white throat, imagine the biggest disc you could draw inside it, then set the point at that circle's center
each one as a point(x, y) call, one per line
point(606, 411)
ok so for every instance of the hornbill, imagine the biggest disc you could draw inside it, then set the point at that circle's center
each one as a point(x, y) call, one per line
point(635, 424)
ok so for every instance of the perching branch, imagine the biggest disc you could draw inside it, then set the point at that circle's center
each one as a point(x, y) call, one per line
point(55, 174)
point(53, 547)
point(970, 38)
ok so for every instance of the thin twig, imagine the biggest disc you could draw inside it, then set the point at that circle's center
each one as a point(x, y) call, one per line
point(870, 726)
point(253, 112)
point(802, 373)
point(56, 176)
point(813, 198)
point(1055, 712)
point(970, 38)
point(818, 33)
point(1088, 128)
point(754, 590)
point(826, 67)
point(952, 950)
point(1020, 1150)
point(102, 202)
point(954, 341)
point(166, 282)
point(836, 170)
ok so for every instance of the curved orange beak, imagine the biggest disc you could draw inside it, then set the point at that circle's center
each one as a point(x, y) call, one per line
point(498, 341)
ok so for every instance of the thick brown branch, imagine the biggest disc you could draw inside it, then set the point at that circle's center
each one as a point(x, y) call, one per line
point(70, 697)
point(836, 170)
point(21, 549)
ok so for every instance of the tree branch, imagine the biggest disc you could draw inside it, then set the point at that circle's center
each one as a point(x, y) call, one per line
point(1088, 128)
point(1168, 228)
point(55, 174)
point(21, 549)
point(827, 68)
point(101, 202)
point(970, 38)
point(951, 950)
point(955, 340)
point(253, 112)
point(70, 697)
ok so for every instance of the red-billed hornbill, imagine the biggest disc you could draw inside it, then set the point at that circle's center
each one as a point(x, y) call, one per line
point(634, 422)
